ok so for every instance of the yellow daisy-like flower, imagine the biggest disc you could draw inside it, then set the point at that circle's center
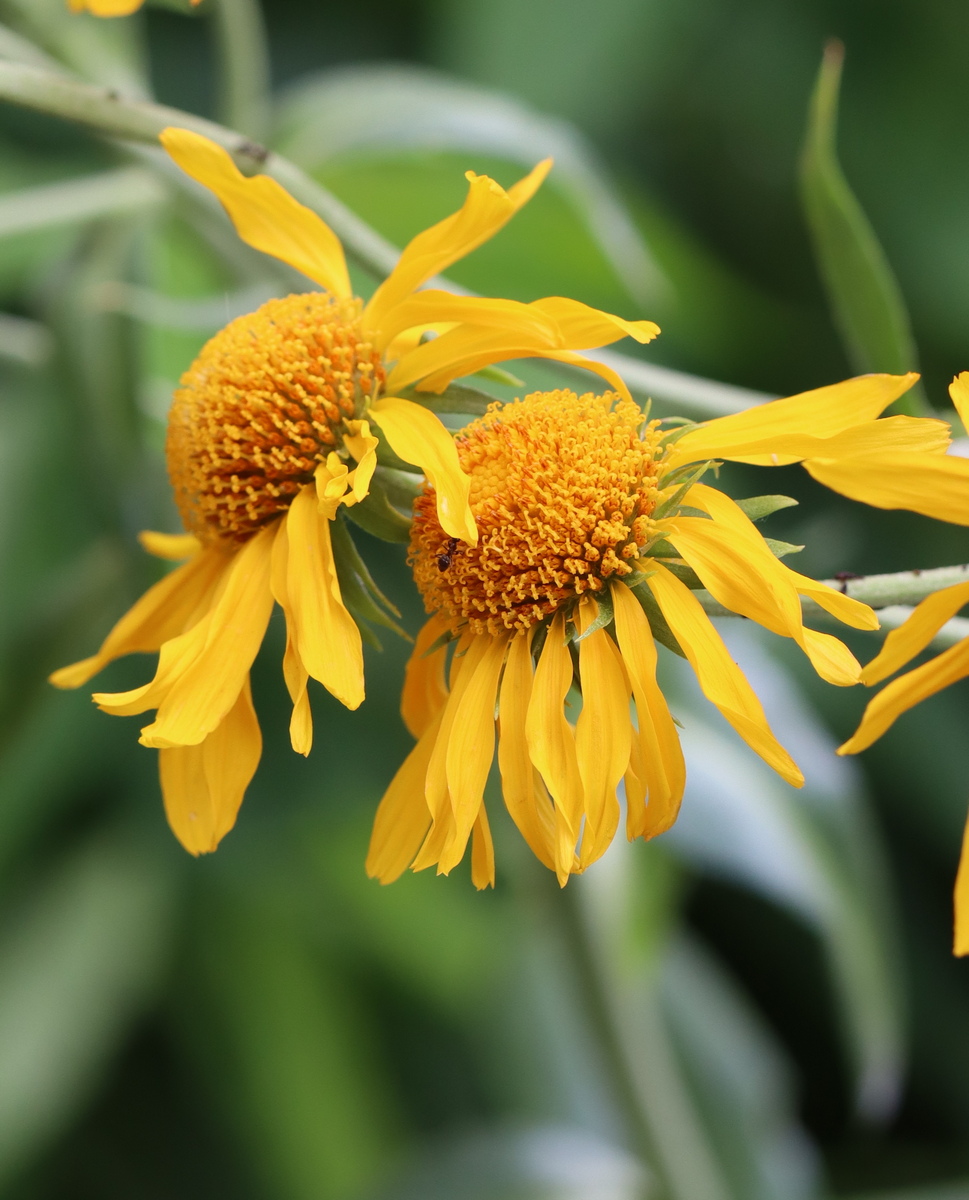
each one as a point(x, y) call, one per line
point(941, 489)
point(270, 434)
point(593, 526)
point(110, 8)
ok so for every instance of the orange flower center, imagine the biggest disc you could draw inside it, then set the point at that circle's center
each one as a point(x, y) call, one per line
point(562, 488)
point(261, 406)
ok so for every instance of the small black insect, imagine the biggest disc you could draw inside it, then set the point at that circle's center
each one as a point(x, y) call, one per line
point(446, 557)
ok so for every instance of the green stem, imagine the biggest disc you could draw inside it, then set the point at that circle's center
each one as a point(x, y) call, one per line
point(243, 66)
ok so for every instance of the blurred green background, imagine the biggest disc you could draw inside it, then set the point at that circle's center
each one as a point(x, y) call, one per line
point(268, 1024)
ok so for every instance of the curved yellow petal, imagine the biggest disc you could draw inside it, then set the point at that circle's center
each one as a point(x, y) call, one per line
point(960, 941)
point(265, 215)
point(163, 612)
point(936, 485)
point(583, 328)
point(486, 209)
point(433, 308)
point(174, 547)
point(911, 638)
point(418, 436)
point(848, 611)
point(905, 692)
point(326, 635)
point(821, 413)
point(425, 693)
point(464, 350)
point(363, 446)
point(720, 679)
point(294, 672)
point(402, 818)
point(107, 8)
point(482, 853)
point(203, 786)
point(551, 743)
point(660, 770)
point(524, 793)
point(603, 732)
point(959, 394)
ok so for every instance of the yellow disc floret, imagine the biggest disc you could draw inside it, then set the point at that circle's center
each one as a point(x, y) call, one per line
point(261, 406)
point(562, 488)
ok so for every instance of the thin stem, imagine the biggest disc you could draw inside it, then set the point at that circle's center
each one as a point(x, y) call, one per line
point(244, 71)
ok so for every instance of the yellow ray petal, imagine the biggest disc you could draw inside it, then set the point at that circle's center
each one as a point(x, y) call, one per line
point(936, 485)
point(911, 638)
point(720, 679)
point(417, 436)
point(203, 785)
point(265, 215)
point(425, 693)
point(482, 853)
point(551, 743)
point(602, 733)
point(660, 769)
point(583, 328)
point(201, 673)
point(959, 394)
point(363, 446)
point(525, 796)
point(486, 209)
point(471, 747)
point(295, 674)
point(464, 350)
point(107, 8)
point(961, 899)
point(821, 413)
point(433, 308)
point(848, 611)
point(326, 635)
point(174, 547)
point(905, 692)
point(162, 613)
point(402, 818)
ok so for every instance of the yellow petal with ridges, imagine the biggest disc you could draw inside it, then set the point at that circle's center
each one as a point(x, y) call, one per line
point(603, 733)
point(486, 209)
point(911, 638)
point(720, 679)
point(425, 693)
point(294, 672)
point(402, 818)
point(173, 547)
point(265, 215)
point(430, 309)
point(162, 613)
point(418, 436)
point(203, 786)
point(960, 941)
point(935, 485)
point(959, 394)
point(482, 853)
point(905, 692)
point(583, 328)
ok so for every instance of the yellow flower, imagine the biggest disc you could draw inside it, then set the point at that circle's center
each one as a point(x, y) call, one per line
point(109, 8)
point(270, 433)
point(593, 524)
point(938, 488)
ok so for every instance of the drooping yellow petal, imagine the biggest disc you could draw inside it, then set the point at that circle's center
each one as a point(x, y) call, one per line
point(936, 485)
point(603, 732)
point(959, 394)
point(482, 853)
point(524, 793)
point(551, 743)
point(720, 679)
point(905, 692)
point(432, 308)
point(960, 941)
point(326, 635)
point(203, 785)
point(425, 693)
point(417, 436)
point(294, 672)
point(162, 613)
point(583, 328)
point(201, 673)
point(821, 413)
point(911, 638)
point(265, 215)
point(659, 767)
point(486, 209)
point(174, 547)
point(402, 818)
point(363, 446)
point(847, 610)
point(471, 747)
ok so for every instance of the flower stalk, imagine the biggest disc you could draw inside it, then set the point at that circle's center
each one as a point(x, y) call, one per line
point(243, 66)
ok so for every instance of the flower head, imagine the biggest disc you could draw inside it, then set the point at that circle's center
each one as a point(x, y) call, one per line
point(594, 527)
point(273, 433)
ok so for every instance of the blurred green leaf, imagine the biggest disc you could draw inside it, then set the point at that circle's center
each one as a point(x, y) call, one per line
point(864, 294)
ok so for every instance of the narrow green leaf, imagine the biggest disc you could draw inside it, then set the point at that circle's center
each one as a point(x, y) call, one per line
point(758, 507)
point(782, 549)
point(865, 297)
point(456, 398)
point(657, 622)
point(603, 617)
point(379, 517)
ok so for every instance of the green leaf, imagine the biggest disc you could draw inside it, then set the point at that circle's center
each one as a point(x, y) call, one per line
point(456, 398)
point(758, 507)
point(379, 517)
point(360, 594)
point(499, 375)
point(782, 549)
point(657, 622)
point(865, 297)
point(603, 617)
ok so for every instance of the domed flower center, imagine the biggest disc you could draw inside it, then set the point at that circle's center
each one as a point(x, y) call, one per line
point(562, 488)
point(261, 407)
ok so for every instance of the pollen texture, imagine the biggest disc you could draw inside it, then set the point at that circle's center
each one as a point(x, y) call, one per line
point(562, 488)
point(261, 406)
